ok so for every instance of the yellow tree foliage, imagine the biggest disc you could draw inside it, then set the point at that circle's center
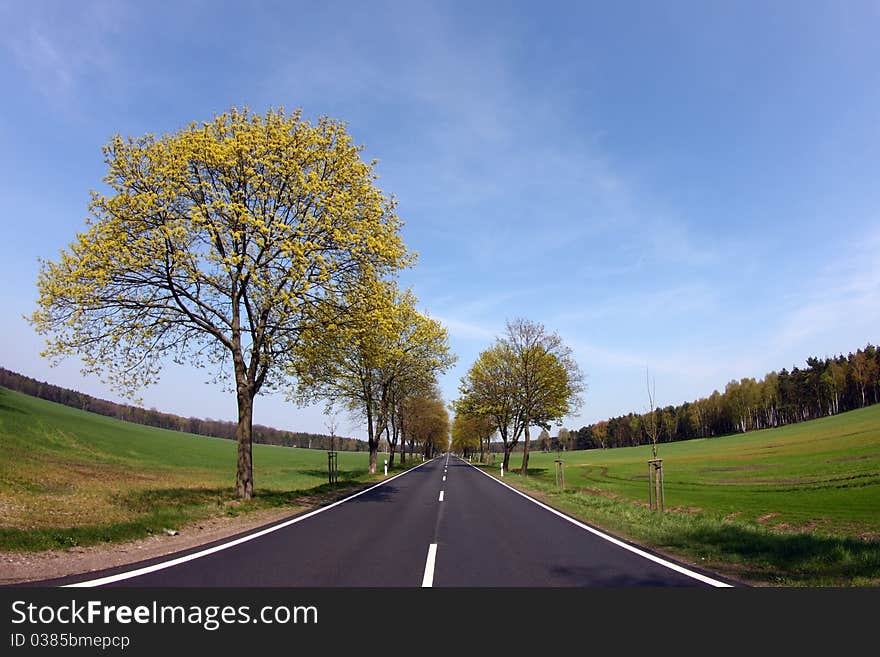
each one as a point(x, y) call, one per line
point(428, 422)
point(490, 390)
point(527, 378)
point(385, 348)
point(547, 379)
point(466, 437)
point(421, 416)
point(216, 245)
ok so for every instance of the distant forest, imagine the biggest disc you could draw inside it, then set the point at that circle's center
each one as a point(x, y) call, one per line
point(153, 418)
point(824, 387)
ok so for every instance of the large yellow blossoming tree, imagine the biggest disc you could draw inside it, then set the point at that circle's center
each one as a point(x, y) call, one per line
point(215, 246)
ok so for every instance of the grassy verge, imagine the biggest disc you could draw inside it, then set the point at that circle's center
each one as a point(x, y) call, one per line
point(819, 476)
point(153, 511)
point(797, 506)
point(70, 478)
point(742, 550)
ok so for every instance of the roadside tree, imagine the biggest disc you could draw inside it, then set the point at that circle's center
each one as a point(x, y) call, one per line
point(363, 362)
point(489, 390)
point(215, 246)
point(547, 380)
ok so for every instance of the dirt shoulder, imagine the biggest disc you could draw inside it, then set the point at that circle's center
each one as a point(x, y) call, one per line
point(18, 567)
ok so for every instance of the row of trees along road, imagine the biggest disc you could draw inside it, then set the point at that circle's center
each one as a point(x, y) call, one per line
point(527, 378)
point(250, 244)
point(422, 427)
point(472, 434)
point(383, 362)
point(423, 417)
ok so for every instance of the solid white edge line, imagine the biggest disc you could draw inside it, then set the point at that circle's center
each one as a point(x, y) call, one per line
point(217, 548)
point(428, 577)
point(611, 539)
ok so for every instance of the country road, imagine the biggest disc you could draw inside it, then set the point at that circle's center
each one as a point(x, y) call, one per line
point(443, 523)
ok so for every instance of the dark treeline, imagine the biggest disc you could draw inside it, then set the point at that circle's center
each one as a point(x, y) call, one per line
point(824, 387)
point(203, 427)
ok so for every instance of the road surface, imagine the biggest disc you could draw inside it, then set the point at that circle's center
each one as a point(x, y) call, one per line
point(443, 523)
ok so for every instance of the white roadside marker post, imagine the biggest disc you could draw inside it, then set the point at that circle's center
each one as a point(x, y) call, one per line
point(386, 467)
point(502, 470)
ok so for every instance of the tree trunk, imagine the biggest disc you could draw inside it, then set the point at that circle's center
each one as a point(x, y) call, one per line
point(372, 442)
point(392, 446)
point(244, 480)
point(374, 454)
point(506, 461)
point(525, 463)
point(481, 449)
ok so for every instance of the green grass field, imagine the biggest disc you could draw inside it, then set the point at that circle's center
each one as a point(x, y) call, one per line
point(798, 505)
point(68, 477)
point(794, 505)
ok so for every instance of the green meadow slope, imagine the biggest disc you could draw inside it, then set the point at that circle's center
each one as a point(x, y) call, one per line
point(794, 505)
point(824, 473)
point(69, 477)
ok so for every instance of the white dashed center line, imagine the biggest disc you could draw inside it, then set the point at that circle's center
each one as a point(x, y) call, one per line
point(428, 578)
point(441, 495)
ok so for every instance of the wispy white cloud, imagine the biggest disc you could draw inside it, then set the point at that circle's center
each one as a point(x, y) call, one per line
point(841, 299)
point(60, 46)
point(666, 304)
point(465, 330)
point(494, 155)
point(682, 364)
point(837, 308)
point(512, 178)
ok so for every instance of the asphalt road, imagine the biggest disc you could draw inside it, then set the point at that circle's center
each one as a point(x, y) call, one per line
point(443, 523)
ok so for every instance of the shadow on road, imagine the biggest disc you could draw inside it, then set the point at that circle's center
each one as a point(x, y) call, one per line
point(380, 494)
point(583, 576)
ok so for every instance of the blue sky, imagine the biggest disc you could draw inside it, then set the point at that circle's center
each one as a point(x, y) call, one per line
point(687, 186)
